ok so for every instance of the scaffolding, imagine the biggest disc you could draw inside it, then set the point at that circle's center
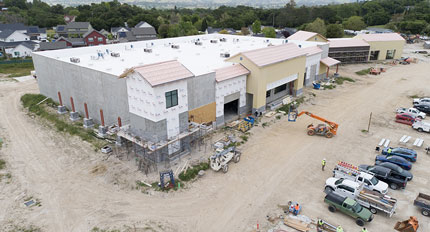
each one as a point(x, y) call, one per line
point(155, 156)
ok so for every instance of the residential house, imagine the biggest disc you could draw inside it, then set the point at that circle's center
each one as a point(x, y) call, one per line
point(73, 42)
point(37, 33)
point(20, 27)
point(69, 18)
point(104, 32)
point(212, 30)
point(21, 50)
point(307, 36)
point(144, 33)
point(94, 38)
point(73, 29)
point(116, 30)
point(143, 24)
point(13, 36)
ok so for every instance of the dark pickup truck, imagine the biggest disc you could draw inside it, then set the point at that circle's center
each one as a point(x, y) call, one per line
point(349, 207)
point(423, 202)
point(386, 175)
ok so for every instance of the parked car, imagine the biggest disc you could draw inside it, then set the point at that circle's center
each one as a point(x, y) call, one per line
point(408, 154)
point(421, 126)
point(106, 149)
point(343, 187)
point(398, 170)
point(386, 175)
point(423, 108)
point(412, 111)
point(405, 118)
point(395, 160)
point(425, 100)
point(349, 207)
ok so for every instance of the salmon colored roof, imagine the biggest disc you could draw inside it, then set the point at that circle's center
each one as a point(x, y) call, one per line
point(226, 73)
point(328, 61)
point(342, 43)
point(163, 72)
point(381, 37)
point(303, 35)
point(274, 54)
point(312, 50)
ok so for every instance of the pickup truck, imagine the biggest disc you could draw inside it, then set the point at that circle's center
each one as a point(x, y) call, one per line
point(423, 202)
point(349, 207)
point(412, 111)
point(386, 175)
point(370, 182)
point(369, 199)
point(421, 126)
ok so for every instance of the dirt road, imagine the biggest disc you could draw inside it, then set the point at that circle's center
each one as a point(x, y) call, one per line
point(279, 163)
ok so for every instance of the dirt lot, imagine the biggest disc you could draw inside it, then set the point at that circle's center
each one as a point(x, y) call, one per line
point(79, 190)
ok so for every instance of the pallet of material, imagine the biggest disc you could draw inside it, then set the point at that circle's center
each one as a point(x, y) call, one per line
point(297, 224)
point(371, 199)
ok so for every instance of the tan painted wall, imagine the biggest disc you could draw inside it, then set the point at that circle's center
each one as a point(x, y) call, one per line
point(204, 114)
point(260, 76)
point(383, 46)
point(317, 38)
point(323, 69)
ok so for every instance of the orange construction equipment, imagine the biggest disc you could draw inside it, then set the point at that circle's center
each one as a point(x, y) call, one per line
point(410, 225)
point(328, 130)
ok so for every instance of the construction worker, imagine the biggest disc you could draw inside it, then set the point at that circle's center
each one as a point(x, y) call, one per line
point(296, 209)
point(339, 229)
point(323, 162)
point(389, 150)
point(320, 225)
point(364, 230)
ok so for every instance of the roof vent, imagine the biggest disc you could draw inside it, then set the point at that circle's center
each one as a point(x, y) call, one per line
point(214, 41)
point(225, 55)
point(175, 46)
point(198, 43)
point(94, 57)
point(300, 45)
point(75, 60)
point(223, 40)
point(148, 50)
point(115, 54)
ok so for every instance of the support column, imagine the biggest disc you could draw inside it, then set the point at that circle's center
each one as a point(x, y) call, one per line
point(102, 127)
point(88, 122)
point(74, 116)
point(336, 74)
point(61, 109)
point(328, 70)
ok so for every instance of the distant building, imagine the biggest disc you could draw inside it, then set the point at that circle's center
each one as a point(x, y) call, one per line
point(73, 29)
point(115, 30)
point(46, 46)
point(14, 27)
point(94, 38)
point(212, 30)
point(379, 30)
point(37, 33)
point(13, 36)
point(142, 31)
point(69, 18)
point(307, 36)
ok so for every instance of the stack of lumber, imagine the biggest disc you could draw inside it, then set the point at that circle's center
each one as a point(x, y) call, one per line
point(297, 224)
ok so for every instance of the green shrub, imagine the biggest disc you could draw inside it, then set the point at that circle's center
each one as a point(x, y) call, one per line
point(363, 72)
point(340, 80)
point(2, 164)
point(193, 171)
point(244, 138)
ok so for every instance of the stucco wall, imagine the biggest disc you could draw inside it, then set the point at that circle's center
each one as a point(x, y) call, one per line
point(317, 38)
point(99, 90)
point(383, 46)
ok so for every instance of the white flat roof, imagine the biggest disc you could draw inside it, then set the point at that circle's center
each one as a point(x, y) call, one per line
point(199, 60)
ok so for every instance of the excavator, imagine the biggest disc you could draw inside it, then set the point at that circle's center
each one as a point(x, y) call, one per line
point(328, 129)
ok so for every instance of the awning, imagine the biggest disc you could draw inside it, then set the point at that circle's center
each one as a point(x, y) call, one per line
point(328, 61)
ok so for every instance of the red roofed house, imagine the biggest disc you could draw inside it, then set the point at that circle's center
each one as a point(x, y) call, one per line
point(94, 38)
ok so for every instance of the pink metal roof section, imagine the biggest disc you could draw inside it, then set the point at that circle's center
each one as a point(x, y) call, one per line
point(226, 73)
point(163, 72)
point(274, 54)
point(380, 37)
point(312, 50)
point(328, 61)
point(343, 43)
point(302, 35)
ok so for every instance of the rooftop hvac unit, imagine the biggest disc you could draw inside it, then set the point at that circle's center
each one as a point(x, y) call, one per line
point(214, 41)
point(75, 60)
point(225, 55)
point(115, 54)
point(148, 50)
point(175, 46)
point(94, 57)
point(223, 40)
point(198, 43)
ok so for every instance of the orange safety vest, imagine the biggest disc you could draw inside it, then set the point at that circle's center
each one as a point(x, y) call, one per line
point(297, 207)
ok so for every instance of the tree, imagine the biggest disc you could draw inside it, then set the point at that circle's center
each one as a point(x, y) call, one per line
point(334, 31)
point(244, 31)
point(269, 32)
point(204, 25)
point(256, 27)
point(223, 31)
point(317, 26)
point(354, 23)
point(74, 12)
point(163, 30)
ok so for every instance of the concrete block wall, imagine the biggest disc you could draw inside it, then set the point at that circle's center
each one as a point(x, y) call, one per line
point(99, 90)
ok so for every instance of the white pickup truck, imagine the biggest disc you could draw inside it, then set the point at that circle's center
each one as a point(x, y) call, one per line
point(370, 181)
point(412, 111)
point(421, 126)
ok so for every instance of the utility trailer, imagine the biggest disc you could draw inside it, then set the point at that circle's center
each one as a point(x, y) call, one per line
point(423, 202)
point(376, 201)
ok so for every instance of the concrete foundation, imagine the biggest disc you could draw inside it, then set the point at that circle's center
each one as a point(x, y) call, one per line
point(102, 131)
point(88, 122)
point(61, 109)
point(74, 116)
point(298, 92)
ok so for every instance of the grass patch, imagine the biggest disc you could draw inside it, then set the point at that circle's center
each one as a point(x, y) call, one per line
point(244, 137)
point(363, 72)
point(30, 102)
point(412, 96)
point(286, 108)
point(2, 164)
point(364, 131)
point(17, 69)
point(329, 86)
point(340, 80)
point(25, 229)
point(193, 171)
point(96, 229)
